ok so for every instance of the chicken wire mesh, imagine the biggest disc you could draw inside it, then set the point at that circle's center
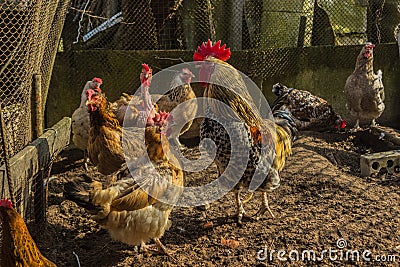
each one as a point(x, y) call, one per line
point(30, 32)
point(275, 31)
point(242, 24)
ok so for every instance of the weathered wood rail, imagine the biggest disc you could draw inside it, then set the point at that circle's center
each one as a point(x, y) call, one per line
point(35, 159)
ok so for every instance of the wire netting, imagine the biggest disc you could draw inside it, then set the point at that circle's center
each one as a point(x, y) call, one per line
point(276, 32)
point(30, 33)
point(242, 24)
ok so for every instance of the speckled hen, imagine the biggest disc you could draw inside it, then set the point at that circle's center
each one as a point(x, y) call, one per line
point(310, 112)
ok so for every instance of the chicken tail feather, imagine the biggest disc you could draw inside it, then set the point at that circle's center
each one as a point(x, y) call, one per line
point(286, 120)
point(78, 190)
point(282, 92)
point(279, 89)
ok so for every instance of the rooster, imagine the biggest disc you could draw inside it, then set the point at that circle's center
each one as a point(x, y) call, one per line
point(18, 248)
point(81, 122)
point(240, 117)
point(310, 112)
point(364, 89)
point(136, 109)
point(137, 207)
point(180, 92)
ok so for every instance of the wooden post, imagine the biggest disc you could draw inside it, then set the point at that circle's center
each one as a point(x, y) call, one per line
point(302, 31)
point(58, 24)
point(211, 21)
point(363, 3)
point(236, 26)
point(10, 181)
point(37, 106)
point(398, 36)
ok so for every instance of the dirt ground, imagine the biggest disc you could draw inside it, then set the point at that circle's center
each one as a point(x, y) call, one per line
point(322, 199)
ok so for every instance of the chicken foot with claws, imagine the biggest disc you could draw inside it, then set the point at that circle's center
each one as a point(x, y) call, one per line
point(158, 247)
point(264, 207)
point(240, 208)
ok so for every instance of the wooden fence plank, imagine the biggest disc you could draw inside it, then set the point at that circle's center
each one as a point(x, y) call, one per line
point(33, 160)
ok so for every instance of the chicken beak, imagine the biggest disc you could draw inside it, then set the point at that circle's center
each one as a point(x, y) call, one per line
point(90, 105)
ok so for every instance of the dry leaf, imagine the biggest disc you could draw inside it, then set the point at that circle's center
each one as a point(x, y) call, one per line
point(208, 225)
point(229, 243)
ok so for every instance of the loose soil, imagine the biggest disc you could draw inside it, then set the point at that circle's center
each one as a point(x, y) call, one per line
point(322, 199)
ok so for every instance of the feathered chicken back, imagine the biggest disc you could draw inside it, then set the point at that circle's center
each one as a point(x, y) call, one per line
point(310, 112)
point(180, 101)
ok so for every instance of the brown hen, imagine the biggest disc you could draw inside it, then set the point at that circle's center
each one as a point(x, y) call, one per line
point(107, 148)
point(137, 207)
point(18, 248)
point(105, 135)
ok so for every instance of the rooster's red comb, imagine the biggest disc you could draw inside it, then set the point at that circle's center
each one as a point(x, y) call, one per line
point(97, 80)
point(216, 50)
point(5, 203)
point(145, 66)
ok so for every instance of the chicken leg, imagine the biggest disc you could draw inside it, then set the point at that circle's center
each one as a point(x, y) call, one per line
point(85, 160)
point(145, 249)
point(356, 126)
point(240, 208)
point(264, 207)
point(162, 249)
point(158, 247)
